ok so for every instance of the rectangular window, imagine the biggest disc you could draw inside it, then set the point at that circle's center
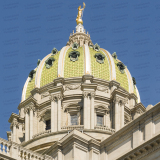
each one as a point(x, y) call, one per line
point(99, 120)
point(74, 120)
point(48, 124)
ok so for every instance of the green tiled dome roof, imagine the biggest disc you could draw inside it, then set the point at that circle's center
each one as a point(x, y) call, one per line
point(63, 66)
point(77, 58)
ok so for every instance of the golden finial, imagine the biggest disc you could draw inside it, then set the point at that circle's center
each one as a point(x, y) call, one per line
point(80, 13)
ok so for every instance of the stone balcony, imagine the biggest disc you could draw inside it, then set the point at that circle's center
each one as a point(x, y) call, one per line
point(72, 127)
point(103, 128)
point(13, 151)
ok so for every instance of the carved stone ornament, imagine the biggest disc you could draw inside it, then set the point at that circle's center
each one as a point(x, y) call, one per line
point(139, 111)
point(31, 74)
point(72, 87)
point(120, 100)
point(96, 47)
point(14, 123)
point(59, 96)
point(75, 46)
point(39, 61)
point(46, 94)
point(26, 110)
point(102, 89)
point(54, 51)
point(93, 94)
point(85, 94)
point(54, 97)
point(134, 80)
point(73, 55)
point(121, 67)
point(49, 62)
point(99, 57)
point(114, 55)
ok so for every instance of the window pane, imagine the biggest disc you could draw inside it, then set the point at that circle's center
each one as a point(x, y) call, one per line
point(48, 124)
point(99, 120)
point(74, 120)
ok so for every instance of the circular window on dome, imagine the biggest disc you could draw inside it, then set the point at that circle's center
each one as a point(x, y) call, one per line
point(75, 46)
point(54, 51)
point(74, 55)
point(31, 74)
point(96, 47)
point(49, 62)
point(99, 57)
point(121, 67)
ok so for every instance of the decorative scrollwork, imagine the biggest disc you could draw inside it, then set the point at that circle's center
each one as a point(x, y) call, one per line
point(85, 94)
point(39, 61)
point(54, 51)
point(72, 87)
point(114, 55)
point(121, 67)
point(31, 74)
point(96, 47)
point(46, 94)
point(134, 80)
point(74, 55)
point(99, 57)
point(93, 94)
point(49, 62)
point(75, 46)
point(102, 89)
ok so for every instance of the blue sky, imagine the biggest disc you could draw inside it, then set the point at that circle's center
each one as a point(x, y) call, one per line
point(31, 29)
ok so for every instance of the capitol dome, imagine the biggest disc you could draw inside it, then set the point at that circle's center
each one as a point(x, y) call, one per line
point(81, 102)
point(104, 67)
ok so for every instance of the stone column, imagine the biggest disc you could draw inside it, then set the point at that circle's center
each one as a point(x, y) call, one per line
point(14, 124)
point(59, 98)
point(85, 95)
point(92, 111)
point(53, 106)
point(26, 110)
point(122, 114)
point(117, 117)
point(31, 109)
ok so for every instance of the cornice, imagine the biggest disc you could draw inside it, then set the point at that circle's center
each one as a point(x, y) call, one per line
point(56, 89)
point(137, 106)
point(88, 86)
point(101, 81)
point(27, 101)
point(130, 125)
point(143, 150)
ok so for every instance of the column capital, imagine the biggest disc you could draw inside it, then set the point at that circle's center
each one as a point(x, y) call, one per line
point(85, 94)
point(93, 94)
point(121, 100)
point(26, 110)
point(14, 123)
point(59, 96)
point(52, 97)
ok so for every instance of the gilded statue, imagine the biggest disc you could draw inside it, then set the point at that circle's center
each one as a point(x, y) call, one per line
point(80, 12)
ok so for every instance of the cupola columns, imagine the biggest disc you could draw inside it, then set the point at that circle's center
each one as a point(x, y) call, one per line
point(26, 110)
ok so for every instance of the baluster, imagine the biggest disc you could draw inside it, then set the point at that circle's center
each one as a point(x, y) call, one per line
point(22, 156)
point(3, 149)
point(26, 156)
point(7, 149)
